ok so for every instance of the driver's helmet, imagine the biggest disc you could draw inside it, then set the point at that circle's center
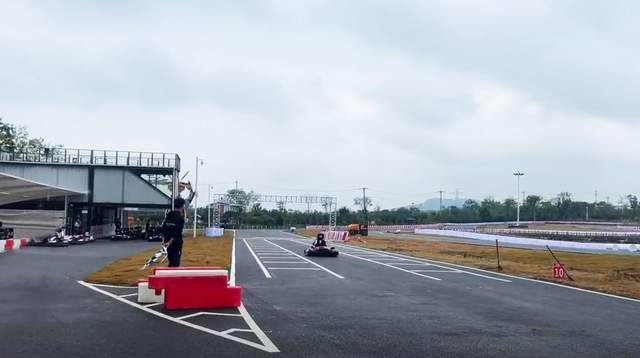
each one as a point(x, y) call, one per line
point(320, 236)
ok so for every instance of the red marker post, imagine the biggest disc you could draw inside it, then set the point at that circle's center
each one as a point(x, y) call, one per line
point(559, 271)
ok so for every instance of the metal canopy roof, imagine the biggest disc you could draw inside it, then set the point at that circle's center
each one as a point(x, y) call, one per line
point(15, 189)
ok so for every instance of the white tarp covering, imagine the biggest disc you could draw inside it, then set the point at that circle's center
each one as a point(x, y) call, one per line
point(14, 189)
point(213, 232)
point(532, 242)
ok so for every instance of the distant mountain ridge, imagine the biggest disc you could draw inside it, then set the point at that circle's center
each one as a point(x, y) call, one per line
point(433, 204)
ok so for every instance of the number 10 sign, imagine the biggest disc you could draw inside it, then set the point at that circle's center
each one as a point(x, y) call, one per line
point(559, 271)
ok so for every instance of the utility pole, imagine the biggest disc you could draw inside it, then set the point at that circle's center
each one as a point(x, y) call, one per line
point(596, 199)
point(364, 205)
point(440, 191)
point(587, 217)
point(236, 186)
point(518, 174)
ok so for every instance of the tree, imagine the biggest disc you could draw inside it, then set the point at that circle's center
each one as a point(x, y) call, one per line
point(358, 201)
point(633, 203)
point(16, 139)
point(564, 204)
point(509, 208)
point(532, 202)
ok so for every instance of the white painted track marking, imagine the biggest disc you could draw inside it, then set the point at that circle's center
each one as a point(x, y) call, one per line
point(407, 264)
point(417, 261)
point(409, 259)
point(112, 286)
point(231, 330)
point(583, 290)
point(129, 295)
point(307, 260)
point(440, 271)
point(394, 267)
point(266, 346)
point(264, 269)
point(154, 304)
point(295, 268)
point(284, 262)
point(197, 314)
point(257, 331)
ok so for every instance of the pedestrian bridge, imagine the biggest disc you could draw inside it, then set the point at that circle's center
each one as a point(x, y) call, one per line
point(95, 177)
point(93, 185)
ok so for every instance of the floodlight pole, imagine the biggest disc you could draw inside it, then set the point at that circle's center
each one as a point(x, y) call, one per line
point(209, 208)
point(195, 212)
point(518, 174)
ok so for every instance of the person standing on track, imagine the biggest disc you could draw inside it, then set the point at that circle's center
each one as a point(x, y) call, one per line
point(173, 225)
point(172, 232)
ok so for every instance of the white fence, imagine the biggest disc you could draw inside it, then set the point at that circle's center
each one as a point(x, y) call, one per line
point(618, 234)
point(532, 242)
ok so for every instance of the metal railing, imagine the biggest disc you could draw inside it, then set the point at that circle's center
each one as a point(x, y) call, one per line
point(93, 157)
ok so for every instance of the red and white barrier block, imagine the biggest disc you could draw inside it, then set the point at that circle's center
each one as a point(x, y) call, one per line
point(12, 244)
point(336, 235)
point(191, 288)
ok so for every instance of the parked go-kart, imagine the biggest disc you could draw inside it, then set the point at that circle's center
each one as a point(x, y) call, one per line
point(57, 240)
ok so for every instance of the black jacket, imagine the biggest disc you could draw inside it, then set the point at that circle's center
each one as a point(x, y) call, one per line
point(172, 226)
point(319, 243)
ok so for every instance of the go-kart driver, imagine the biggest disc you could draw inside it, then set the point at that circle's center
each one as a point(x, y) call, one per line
point(319, 242)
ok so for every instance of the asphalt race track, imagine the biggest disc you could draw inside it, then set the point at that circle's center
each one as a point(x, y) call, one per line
point(362, 303)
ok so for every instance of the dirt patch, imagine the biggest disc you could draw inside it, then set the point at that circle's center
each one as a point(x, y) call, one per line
point(196, 252)
point(616, 274)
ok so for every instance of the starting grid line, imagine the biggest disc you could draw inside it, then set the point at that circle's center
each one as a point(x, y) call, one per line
point(398, 263)
point(269, 255)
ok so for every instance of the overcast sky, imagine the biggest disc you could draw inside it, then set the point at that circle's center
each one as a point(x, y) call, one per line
point(291, 97)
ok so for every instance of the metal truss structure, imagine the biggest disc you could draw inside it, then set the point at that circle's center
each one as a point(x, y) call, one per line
point(328, 203)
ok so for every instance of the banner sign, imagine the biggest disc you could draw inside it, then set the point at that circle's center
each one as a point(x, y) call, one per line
point(336, 235)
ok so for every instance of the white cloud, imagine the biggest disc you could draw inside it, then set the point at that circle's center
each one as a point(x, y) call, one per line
point(405, 97)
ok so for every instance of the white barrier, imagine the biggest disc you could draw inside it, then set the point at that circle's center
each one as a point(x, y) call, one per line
point(2, 242)
point(533, 242)
point(565, 232)
point(213, 232)
point(336, 235)
point(147, 295)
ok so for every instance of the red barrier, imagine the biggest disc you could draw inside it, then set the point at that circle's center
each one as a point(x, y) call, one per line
point(8, 245)
point(187, 268)
point(195, 291)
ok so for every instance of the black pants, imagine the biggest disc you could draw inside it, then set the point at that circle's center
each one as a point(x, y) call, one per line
point(174, 252)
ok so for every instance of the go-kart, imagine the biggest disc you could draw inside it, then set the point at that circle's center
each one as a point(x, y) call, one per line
point(321, 251)
point(80, 239)
point(58, 240)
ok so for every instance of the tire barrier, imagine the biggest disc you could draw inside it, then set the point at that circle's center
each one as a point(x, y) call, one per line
point(336, 235)
point(532, 242)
